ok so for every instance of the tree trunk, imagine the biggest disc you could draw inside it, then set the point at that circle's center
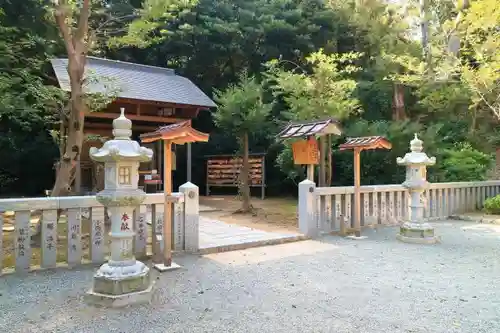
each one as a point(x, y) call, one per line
point(74, 140)
point(245, 176)
point(75, 41)
point(398, 102)
point(424, 31)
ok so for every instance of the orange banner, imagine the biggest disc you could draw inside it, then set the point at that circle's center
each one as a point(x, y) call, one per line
point(305, 152)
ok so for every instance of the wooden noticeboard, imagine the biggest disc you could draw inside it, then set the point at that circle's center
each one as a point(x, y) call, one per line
point(224, 171)
point(305, 152)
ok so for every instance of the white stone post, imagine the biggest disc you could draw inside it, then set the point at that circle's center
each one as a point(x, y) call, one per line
point(415, 230)
point(307, 209)
point(191, 217)
point(123, 280)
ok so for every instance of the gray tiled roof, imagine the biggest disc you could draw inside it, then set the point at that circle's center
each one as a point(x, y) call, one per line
point(135, 81)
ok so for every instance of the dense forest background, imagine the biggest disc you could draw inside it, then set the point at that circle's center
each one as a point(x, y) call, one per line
point(363, 62)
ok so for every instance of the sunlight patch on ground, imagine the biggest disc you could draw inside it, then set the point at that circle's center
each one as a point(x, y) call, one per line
point(268, 253)
point(483, 227)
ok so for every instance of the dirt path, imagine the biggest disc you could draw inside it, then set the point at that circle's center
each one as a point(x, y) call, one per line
point(273, 214)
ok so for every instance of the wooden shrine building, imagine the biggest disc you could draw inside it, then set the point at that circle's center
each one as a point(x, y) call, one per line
point(152, 97)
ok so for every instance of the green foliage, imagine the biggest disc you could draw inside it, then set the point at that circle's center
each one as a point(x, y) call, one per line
point(284, 161)
point(464, 163)
point(492, 205)
point(28, 106)
point(148, 27)
point(215, 40)
point(326, 92)
point(241, 108)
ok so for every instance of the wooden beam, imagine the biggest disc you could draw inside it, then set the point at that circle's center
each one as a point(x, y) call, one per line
point(156, 119)
point(189, 161)
point(322, 161)
point(167, 216)
point(329, 171)
point(138, 109)
point(357, 192)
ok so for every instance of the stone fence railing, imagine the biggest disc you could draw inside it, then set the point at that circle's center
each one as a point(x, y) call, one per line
point(330, 209)
point(80, 235)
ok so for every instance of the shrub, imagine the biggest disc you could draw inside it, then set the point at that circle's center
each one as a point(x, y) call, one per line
point(492, 205)
point(464, 163)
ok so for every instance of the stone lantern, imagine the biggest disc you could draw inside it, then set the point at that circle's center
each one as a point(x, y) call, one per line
point(122, 280)
point(416, 162)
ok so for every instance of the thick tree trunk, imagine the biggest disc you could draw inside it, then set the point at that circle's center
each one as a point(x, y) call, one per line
point(74, 141)
point(245, 176)
point(76, 48)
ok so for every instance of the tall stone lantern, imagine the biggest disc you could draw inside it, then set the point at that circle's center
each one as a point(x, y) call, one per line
point(416, 162)
point(123, 280)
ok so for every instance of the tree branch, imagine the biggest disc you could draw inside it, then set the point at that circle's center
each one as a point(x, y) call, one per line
point(61, 15)
point(82, 31)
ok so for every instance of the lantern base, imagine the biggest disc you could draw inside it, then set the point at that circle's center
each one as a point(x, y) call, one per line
point(121, 285)
point(417, 233)
point(120, 301)
point(121, 278)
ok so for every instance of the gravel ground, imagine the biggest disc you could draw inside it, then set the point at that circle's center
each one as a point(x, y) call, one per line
point(329, 285)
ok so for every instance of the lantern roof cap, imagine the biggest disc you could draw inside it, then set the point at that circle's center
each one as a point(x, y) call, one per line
point(121, 148)
point(416, 156)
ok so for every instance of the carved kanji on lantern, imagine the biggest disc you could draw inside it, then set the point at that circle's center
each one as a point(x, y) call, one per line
point(124, 226)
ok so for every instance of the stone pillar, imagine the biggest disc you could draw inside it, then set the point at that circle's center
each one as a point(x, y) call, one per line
point(414, 230)
point(191, 216)
point(307, 209)
point(123, 280)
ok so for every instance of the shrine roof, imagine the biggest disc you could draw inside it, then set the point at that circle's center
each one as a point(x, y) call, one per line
point(135, 81)
point(301, 129)
point(366, 142)
point(178, 133)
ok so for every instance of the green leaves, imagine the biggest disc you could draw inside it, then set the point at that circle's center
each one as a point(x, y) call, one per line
point(241, 107)
point(149, 28)
point(464, 163)
point(326, 92)
point(28, 104)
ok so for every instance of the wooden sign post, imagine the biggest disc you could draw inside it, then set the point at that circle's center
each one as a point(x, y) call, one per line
point(357, 145)
point(305, 152)
point(179, 133)
point(167, 191)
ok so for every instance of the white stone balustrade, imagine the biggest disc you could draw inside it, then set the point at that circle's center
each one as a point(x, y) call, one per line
point(331, 207)
point(98, 250)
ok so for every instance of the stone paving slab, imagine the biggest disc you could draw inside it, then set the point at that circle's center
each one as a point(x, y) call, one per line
point(217, 236)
